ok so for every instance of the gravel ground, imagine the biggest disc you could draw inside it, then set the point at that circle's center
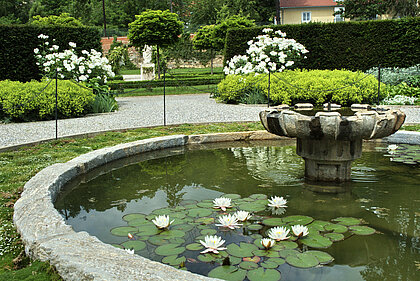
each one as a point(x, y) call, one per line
point(145, 111)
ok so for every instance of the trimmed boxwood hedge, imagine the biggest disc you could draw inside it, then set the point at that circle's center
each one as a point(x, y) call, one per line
point(349, 45)
point(17, 60)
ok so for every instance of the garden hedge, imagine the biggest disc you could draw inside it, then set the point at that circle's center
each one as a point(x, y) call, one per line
point(171, 82)
point(348, 45)
point(17, 61)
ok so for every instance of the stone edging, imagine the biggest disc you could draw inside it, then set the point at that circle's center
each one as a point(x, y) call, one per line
point(77, 255)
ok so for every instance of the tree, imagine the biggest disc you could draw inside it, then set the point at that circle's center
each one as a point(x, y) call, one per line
point(204, 40)
point(157, 28)
point(14, 11)
point(404, 8)
point(63, 19)
point(220, 30)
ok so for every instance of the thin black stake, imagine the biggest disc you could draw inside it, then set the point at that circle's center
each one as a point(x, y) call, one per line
point(56, 104)
point(164, 97)
point(379, 82)
point(269, 84)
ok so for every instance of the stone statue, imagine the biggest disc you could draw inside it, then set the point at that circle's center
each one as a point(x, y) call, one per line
point(147, 54)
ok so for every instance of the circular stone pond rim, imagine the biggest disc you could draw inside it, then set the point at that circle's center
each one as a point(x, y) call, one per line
point(80, 256)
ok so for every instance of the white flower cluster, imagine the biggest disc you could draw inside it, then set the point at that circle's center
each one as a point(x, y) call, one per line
point(270, 52)
point(91, 65)
point(400, 100)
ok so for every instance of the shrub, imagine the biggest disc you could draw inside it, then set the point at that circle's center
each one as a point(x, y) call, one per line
point(64, 19)
point(104, 103)
point(394, 76)
point(294, 86)
point(25, 101)
point(402, 89)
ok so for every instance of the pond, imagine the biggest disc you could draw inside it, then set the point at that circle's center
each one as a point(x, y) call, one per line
point(121, 198)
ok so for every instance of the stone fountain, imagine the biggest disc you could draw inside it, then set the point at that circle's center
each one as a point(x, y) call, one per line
point(328, 141)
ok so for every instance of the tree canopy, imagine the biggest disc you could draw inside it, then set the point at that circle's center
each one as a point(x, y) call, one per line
point(62, 20)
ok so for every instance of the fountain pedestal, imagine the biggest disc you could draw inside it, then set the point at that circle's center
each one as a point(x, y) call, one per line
point(329, 142)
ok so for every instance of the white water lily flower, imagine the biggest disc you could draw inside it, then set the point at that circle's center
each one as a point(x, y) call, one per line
point(277, 202)
point(222, 203)
point(300, 230)
point(130, 251)
point(278, 233)
point(267, 243)
point(229, 221)
point(162, 221)
point(243, 215)
point(213, 244)
point(392, 147)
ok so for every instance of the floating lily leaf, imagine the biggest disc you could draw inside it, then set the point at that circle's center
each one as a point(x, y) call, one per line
point(172, 233)
point(288, 252)
point(260, 274)
point(337, 228)
point(302, 260)
point(179, 208)
point(187, 202)
point(318, 225)
point(130, 217)
point(287, 244)
point(228, 272)
point(266, 253)
point(347, 221)
point(174, 260)
point(322, 257)
point(293, 220)
point(194, 247)
point(334, 236)
point(254, 227)
point(205, 204)
point(256, 236)
point(123, 230)
point(198, 238)
point(178, 215)
point(199, 212)
point(242, 250)
point(138, 222)
point(269, 264)
point(234, 260)
point(183, 227)
point(169, 250)
point(273, 222)
point(258, 196)
point(201, 227)
point(163, 211)
point(254, 259)
point(278, 261)
point(190, 206)
point(157, 240)
point(257, 242)
point(134, 244)
point(231, 196)
point(252, 207)
point(362, 230)
point(208, 231)
point(148, 230)
point(177, 240)
point(207, 257)
point(316, 241)
point(248, 265)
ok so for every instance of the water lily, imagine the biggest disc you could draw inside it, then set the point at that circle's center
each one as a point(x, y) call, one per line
point(162, 221)
point(229, 221)
point(391, 148)
point(213, 244)
point(243, 215)
point(300, 230)
point(130, 236)
point(277, 202)
point(267, 243)
point(222, 203)
point(130, 251)
point(278, 233)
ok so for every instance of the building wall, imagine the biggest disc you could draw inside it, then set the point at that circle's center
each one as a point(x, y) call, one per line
point(318, 14)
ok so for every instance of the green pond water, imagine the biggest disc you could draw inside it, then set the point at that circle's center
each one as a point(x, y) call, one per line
point(182, 182)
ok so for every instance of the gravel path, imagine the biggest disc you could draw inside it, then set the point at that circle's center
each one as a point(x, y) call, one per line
point(145, 111)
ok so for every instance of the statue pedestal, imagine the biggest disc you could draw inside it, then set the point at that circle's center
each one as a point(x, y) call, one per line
point(147, 71)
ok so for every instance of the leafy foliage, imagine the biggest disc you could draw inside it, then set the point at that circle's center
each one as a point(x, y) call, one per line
point(220, 30)
point(396, 75)
point(63, 19)
point(365, 10)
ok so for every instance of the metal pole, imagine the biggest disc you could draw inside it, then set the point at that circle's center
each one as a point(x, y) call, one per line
point(269, 84)
point(56, 104)
point(164, 97)
point(379, 82)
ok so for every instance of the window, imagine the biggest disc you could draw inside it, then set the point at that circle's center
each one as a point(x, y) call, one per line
point(338, 17)
point(306, 16)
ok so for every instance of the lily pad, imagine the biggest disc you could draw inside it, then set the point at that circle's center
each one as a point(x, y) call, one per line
point(174, 260)
point(248, 265)
point(157, 240)
point(254, 259)
point(278, 261)
point(347, 221)
point(260, 274)
point(362, 230)
point(242, 250)
point(199, 212)
point(138, 222)
point(302, 260)
point(169, 250)
point(206, 257)
point(337, 228)
point(258, 196)
point(228, 272)
point(288, 252)
point(252, 207)
point(232, 196)
point(177, 240)
point(208, 231)
point(134, 244)
point(316, 241)
point(254, 227)
point(266, 253)
point(205, 220)
point(163, 211)
point(184, 227)
point(234, 260)
point(293, 220)
point(205, 204)
point(285, 245)
point(322, 257)
point(148, 230)
point(130, 217)
point(318, 225)
point(123, 230)
point(172, 233)
point(194, 247)
point(273, 222)
point(269, 264)
point(335, 237)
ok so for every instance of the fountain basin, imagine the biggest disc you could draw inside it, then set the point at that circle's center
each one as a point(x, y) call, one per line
point(328, 141)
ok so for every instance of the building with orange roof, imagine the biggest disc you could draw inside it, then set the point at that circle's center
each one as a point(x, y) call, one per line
point(304, 11)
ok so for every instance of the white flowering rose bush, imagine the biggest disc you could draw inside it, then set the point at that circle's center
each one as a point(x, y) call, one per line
point(270, 52)
point(90, 66)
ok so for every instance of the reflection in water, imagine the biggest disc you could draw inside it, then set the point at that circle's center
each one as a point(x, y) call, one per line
point(384, 194)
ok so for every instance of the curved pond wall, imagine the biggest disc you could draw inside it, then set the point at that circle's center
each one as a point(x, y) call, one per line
point(77, 255)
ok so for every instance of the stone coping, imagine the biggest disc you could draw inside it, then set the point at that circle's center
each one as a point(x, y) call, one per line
point(79, 256)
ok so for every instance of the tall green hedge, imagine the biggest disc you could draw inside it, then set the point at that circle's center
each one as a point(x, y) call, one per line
point(17, 61)
point(349, 45)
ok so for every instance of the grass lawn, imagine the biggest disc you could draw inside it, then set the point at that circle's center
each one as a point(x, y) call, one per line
point(178, 71)
point(169, 91)
point(17, 167)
